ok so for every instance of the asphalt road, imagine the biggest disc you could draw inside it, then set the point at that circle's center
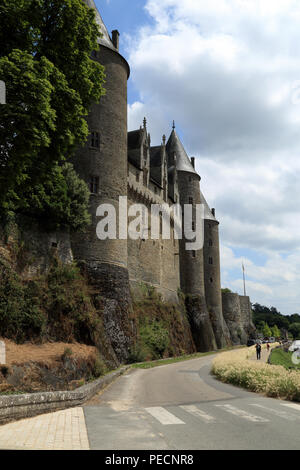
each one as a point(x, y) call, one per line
point(182, 407)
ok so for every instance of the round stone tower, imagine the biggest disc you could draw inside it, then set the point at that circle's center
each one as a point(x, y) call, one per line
point(191, 261)
point(102, 163)
point(212, 277)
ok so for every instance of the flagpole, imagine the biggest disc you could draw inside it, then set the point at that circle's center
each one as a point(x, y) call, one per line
point(243, 267)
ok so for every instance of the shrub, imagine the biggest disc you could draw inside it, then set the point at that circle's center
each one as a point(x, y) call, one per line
point(20, 313)
point(100, 367)
point(156, 337)
point(138, 353)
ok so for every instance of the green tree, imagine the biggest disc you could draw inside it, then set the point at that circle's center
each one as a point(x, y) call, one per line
point(51, 81)
point(61, 201)
point(267, 331)
point(275, 331)
point(294, 329)
point(226, 291)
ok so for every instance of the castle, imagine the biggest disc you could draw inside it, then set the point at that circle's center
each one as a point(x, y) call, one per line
point(115, 162)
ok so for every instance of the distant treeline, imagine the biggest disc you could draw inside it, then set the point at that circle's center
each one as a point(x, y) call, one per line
point(271, 317)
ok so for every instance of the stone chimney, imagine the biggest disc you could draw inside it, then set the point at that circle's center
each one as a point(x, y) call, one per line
point(115, 38)
point(213, 211)
point(193, 161)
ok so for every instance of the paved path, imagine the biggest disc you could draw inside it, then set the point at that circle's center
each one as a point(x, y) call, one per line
point(264, 356)
point(177, 407)
point(62, 430)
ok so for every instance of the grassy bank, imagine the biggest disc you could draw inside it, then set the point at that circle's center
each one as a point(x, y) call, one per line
point(236, 368)
point(281, 358)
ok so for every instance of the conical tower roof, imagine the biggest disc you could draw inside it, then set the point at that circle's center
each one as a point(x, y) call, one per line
point(208, 215)
point(105, 39)
point(174, 145)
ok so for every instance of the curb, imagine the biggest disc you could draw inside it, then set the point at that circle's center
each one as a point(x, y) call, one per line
point(15, 407)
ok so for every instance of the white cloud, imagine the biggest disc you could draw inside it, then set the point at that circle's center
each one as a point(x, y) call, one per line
point(228, 72)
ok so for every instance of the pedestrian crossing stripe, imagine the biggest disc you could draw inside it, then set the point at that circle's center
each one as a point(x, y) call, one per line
point(242, 414)
point(195, 411)
point(280, 414)
point(167, 418)
point(163, 416)
point(292, 405)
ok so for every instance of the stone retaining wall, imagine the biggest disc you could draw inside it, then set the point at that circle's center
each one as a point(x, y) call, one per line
point(14, 407)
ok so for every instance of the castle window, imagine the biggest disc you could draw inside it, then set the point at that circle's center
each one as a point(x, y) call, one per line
point(145, 177)
point(94, 184)
point(95, 140)
point(210, 242)
point(190, 179)
point(210, 261)
point(194, 254)
point(211, 280)
point(193, 226)
point(191, 200)
point(137, 176)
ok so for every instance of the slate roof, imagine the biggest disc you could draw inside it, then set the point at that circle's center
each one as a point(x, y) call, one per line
point(105, 39)
point(174, 145)
point(134, 139)
point(208, 215)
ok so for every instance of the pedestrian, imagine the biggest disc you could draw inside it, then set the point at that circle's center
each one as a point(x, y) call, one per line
point(258, 351)
point(268, 347)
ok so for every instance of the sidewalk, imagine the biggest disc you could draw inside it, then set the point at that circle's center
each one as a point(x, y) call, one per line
point(62, 430)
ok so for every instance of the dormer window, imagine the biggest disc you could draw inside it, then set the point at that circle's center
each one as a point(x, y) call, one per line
point(95, 140)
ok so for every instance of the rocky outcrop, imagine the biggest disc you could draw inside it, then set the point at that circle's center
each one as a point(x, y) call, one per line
point(202, 330)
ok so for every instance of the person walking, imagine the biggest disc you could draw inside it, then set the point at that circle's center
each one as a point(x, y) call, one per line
point(258, 351)
point(268, 347)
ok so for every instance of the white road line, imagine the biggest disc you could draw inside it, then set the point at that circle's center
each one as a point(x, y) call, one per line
point(163, 416)
point(292, 405)
point(193, 410)
point(281, 414)
point(242, 414)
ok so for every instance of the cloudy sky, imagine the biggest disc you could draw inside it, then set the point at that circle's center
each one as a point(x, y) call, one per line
point(228, 73)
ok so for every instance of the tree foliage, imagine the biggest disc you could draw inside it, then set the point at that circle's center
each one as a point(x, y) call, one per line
point(275, 320)
point(51, 81)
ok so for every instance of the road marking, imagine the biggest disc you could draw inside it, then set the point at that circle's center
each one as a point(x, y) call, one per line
point(163, 416)
point(281, 414)
point(193, 410)
point(242, 414)
point(292, 405)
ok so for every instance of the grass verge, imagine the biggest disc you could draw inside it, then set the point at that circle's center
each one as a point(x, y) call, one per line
point(275, 381)
point(281, 358)
point(173, 360)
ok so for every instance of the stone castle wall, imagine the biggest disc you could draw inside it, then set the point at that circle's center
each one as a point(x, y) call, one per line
point(237, 315)
point(153, 262)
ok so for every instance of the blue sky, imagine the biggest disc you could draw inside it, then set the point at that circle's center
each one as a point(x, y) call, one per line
point(228, 73)
point(128, 21)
